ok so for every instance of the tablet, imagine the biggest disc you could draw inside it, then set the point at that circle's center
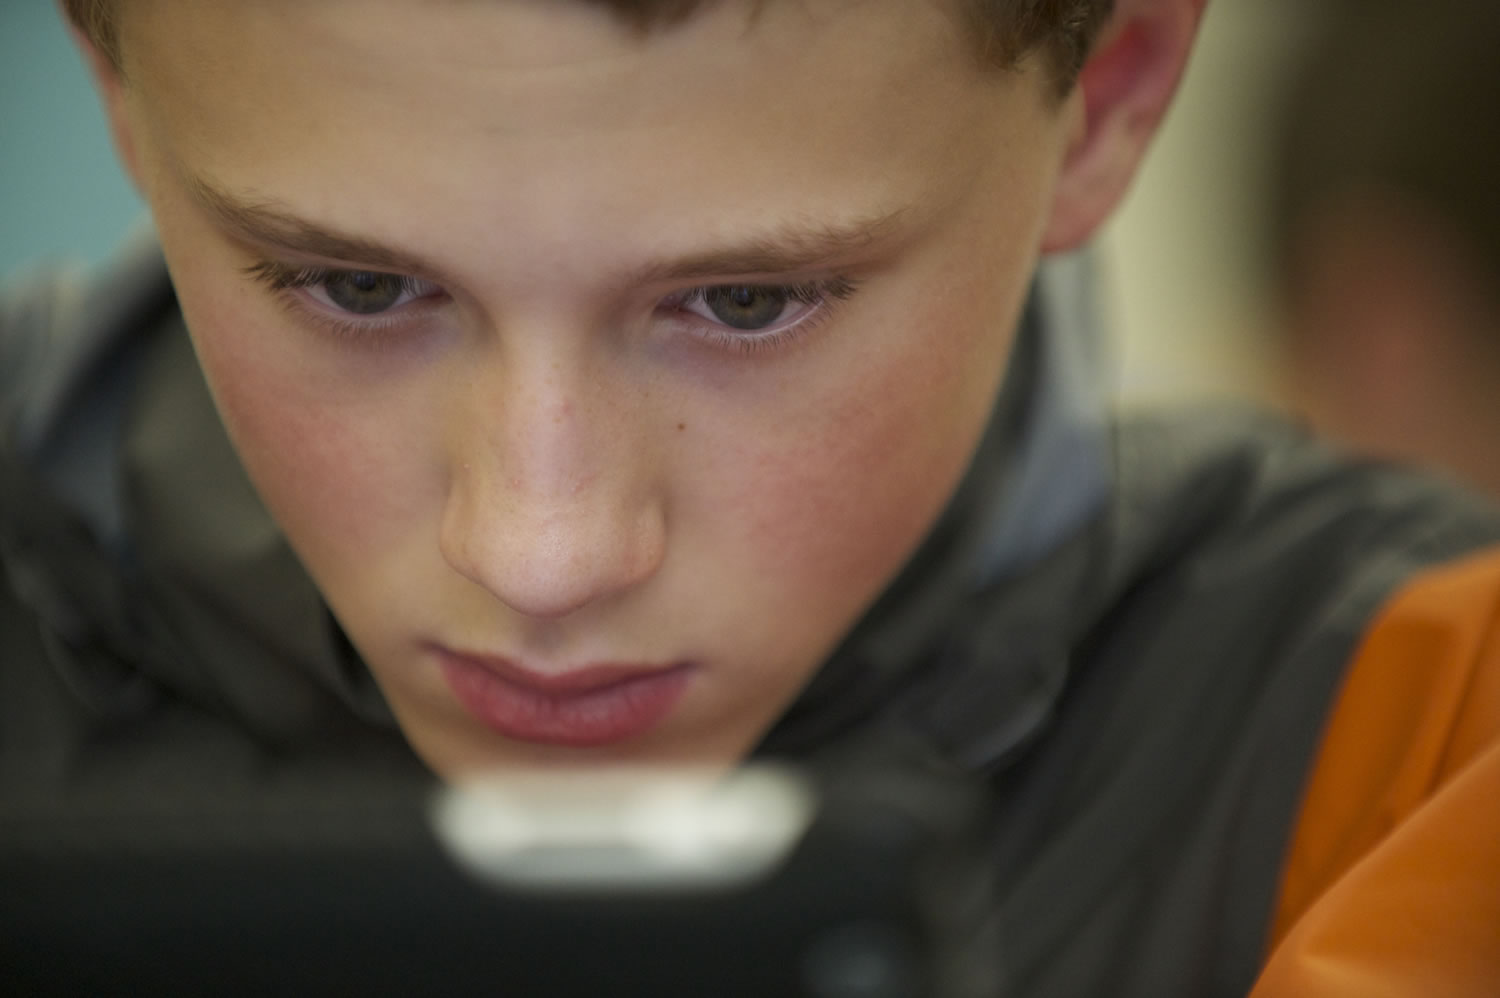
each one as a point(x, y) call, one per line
point(763, 882)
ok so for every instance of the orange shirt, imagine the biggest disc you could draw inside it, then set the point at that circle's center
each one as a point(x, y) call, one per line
point(1391, 888)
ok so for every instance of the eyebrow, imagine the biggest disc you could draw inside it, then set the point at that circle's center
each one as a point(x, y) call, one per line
point(787, 248)
point(264, 220)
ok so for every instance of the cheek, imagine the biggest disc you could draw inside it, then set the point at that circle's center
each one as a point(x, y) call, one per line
point(340, 470)
point(833, 505)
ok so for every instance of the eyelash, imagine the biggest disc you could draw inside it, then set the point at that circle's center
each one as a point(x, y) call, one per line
point(820, 295)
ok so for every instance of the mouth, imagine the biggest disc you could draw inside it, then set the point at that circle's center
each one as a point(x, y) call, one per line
point(591, 706)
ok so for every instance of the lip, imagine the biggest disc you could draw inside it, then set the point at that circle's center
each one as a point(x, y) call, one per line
point(590, 706)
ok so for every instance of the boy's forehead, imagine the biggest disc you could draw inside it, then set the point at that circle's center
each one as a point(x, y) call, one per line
point(547, 66)
point(559, 118)
point(225, 67)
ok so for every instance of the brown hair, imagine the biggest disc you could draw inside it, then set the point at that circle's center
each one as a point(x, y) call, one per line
point(1004, 31)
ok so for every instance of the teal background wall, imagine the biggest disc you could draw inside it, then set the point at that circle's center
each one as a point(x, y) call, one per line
point(62, 196)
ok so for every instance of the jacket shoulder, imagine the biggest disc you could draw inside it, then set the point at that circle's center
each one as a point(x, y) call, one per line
point(1393, 874)
point(1237, 570)
point(69, 352)
point(70, 343)
point(1209, 480)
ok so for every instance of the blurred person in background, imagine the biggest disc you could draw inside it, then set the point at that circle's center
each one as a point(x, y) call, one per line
point(1387, 241)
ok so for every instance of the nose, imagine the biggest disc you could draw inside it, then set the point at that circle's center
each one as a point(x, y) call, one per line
point(552, 504)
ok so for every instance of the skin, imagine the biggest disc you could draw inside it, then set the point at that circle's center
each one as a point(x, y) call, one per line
point(549, 454)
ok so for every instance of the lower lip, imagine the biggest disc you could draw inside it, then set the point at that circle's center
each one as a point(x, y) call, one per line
point(614, 711)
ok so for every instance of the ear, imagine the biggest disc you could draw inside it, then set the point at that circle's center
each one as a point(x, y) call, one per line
point(1125, 89)
point(111, 87)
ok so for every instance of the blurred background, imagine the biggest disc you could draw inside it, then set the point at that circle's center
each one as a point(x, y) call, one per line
point(63, 196)
point(1186, 277)
point(1187, 254)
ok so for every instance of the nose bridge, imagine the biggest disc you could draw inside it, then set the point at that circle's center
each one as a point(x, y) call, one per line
point(544, 425)
point(551, 503)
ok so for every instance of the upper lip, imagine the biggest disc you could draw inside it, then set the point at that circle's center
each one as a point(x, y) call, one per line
point(581, 679)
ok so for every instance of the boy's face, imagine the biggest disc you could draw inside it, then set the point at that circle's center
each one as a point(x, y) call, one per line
point(541, 449)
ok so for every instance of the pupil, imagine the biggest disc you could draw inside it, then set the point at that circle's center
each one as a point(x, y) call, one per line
point(364, 292)
point(746, 307)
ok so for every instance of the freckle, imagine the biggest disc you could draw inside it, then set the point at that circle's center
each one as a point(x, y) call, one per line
point(681, 427)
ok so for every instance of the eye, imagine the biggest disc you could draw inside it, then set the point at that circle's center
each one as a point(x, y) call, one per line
point(363, 292)
point(347, 292)
point(745, 306)
point(755, 312)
